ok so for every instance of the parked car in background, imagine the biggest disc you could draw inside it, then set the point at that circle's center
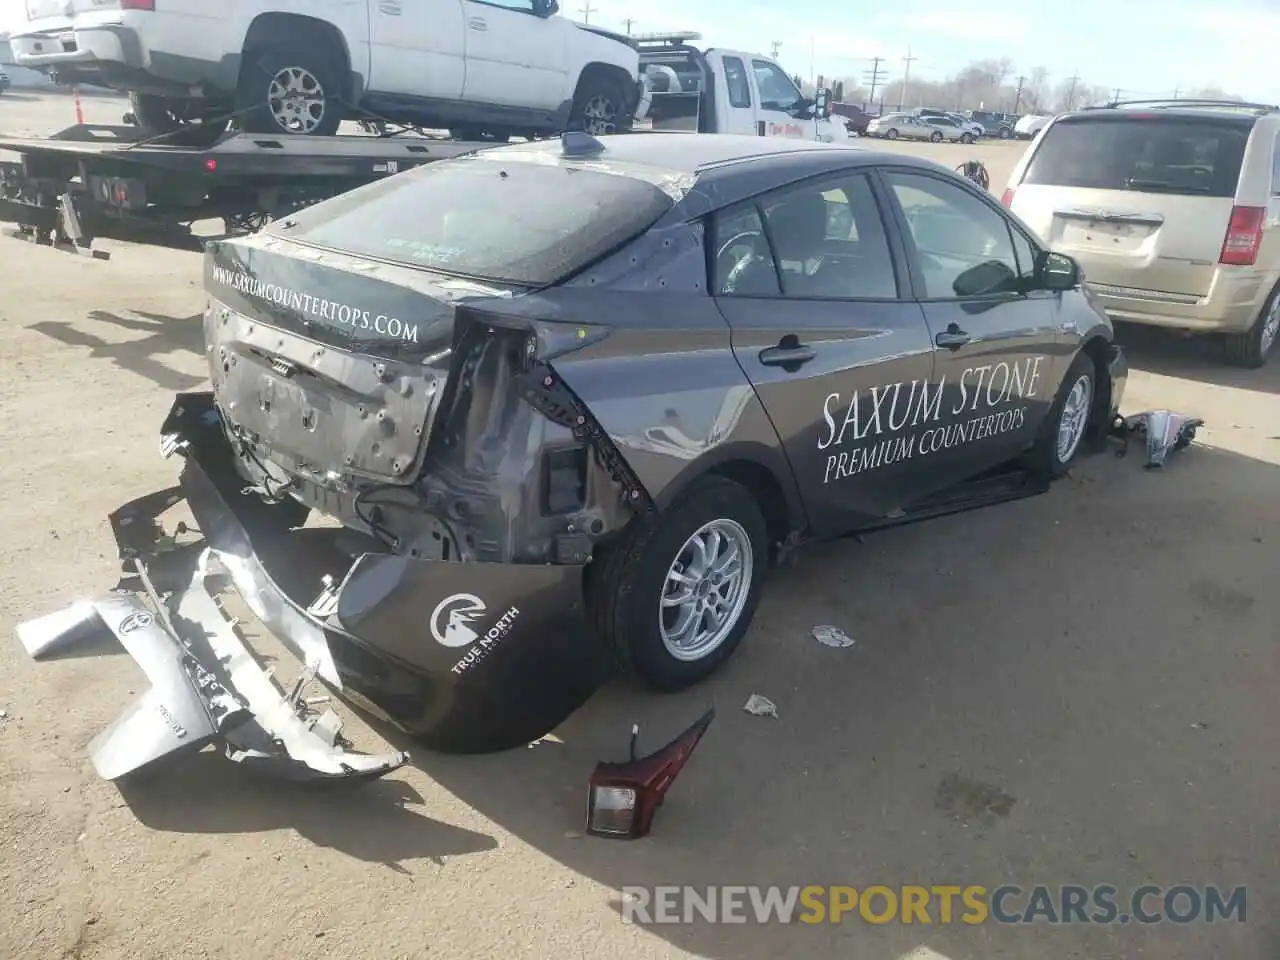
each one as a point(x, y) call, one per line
point(482, 70)
point(973, 126)
point(1027, 127)
point(1171, 209)
point(4, 81)
point(905, 126)
point(994, 124)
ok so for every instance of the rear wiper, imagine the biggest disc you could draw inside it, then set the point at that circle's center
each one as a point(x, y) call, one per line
point(1137, 183)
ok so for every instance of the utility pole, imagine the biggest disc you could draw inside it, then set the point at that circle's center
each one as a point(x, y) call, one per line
point(874, 76)
point(906, 76)
point(1177, 90)
point(586, 12)
point(1115, 95)
point(1071, 94)
point(630, 23)
point(1017, 100)
point(776, 45)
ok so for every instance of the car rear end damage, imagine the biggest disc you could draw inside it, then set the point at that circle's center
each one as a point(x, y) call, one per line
point(461, 485)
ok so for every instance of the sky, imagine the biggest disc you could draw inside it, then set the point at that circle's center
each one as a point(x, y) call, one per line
point(1144, 47)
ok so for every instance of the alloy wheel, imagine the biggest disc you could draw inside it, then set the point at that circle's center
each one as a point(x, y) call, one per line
point(1075, 418)
point(705, 590)
point(297, 100)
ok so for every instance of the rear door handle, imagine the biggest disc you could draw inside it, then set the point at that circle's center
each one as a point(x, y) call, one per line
point(476, 23)
point(789, 356)
point(952, 338)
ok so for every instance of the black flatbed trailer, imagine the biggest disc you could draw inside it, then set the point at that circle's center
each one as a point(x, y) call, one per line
point(91, 181)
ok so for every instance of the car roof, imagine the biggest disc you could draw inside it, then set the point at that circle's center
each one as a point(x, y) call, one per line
point(676, 152)
point(1243, 115)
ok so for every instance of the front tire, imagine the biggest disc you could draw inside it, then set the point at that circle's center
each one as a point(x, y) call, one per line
point(891, 135)
point(935, 137)
point(294, 91)
point(1005, 133)
point(600, 106)
point(1251, 348)
point(673, 599)
point(1062, 436)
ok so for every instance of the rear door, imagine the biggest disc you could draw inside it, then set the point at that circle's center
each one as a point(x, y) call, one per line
point(515, 57)
point(416, 48)
point(995, 337)
point(813, 286)
point(1141, 200)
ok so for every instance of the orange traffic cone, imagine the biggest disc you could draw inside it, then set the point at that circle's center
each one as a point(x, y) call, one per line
point(75, 93)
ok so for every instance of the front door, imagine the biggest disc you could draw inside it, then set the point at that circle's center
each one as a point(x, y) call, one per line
point(995, 338)
point(515, 57)
point(828, 335)
point(778, 97)
point(416, 48)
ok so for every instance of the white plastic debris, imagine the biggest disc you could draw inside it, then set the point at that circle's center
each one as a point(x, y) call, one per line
point(830, 636)
point(760, 706)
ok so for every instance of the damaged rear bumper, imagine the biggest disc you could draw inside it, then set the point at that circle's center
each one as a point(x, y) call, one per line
point(467, 657)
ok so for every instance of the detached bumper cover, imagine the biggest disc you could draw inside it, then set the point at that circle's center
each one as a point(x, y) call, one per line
point(468, 657)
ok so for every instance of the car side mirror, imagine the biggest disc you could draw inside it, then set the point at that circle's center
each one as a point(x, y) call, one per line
point(822, 104)
point(1057, 271)
point(545, 8)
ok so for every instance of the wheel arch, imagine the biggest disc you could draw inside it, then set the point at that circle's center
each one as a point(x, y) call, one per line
point(1097, 347)
point(763, 473)
point(270, 29)
point(596, 69)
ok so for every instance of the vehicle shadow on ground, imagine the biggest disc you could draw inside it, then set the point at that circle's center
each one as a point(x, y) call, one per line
point(1060, 690)
point(161, 335)
point(1195, 358)
point(369, 821)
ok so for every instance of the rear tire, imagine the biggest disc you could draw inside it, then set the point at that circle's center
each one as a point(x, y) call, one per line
point(1063, 433)
point(966, 138)
point(600, 106)
point(287, 90)
point(891, 134)
point(935, 137)
point(631, 589)
point(1005, 133)
point(1252, 348)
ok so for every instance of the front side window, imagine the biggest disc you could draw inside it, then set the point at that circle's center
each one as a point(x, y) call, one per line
point(777, 90)
point(743, 264)
point(963, 246)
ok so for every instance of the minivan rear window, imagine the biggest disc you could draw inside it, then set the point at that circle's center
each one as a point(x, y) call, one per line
point(516, 221)
point(1179, 155)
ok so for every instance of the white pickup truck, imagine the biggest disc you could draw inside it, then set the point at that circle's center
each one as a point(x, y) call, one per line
point(728, 91)
point(484, 69)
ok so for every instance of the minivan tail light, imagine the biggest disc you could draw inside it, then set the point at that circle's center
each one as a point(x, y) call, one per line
point(138, 5)
point(1244, 236)
point(1007, 199)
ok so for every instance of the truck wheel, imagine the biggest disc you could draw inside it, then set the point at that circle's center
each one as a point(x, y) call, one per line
point(156, 116)
point(673, 599)
point(1064, 429)
point(600, 106)
point(1005, 133)
point(285, 90)
point(1251, 348)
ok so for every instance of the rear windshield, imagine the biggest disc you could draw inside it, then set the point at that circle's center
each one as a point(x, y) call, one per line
point(515, 222)
point(1177, 155)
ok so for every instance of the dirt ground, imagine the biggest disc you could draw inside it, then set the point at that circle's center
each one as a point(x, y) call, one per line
point(1073, 689)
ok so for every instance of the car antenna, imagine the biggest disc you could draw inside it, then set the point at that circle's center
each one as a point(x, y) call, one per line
point(579, 143)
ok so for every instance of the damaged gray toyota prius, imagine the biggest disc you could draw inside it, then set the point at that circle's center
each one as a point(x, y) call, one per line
point(482, 432)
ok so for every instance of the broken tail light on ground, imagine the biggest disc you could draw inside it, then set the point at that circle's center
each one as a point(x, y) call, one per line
point(623, 797)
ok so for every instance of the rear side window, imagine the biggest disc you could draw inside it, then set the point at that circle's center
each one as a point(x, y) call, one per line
point(507, 221)
point(735, 79)
point(1177, 155)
